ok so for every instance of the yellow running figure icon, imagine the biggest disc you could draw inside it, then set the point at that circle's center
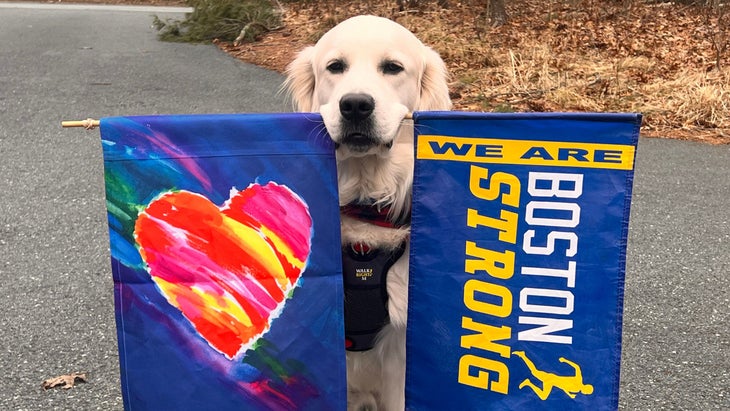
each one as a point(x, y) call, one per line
point(569, 384)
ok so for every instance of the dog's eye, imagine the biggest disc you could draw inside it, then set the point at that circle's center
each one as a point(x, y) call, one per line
point(336, 67)
point(391, 67)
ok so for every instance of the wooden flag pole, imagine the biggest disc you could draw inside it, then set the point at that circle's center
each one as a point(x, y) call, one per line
point(88, 124)
point(91, 123)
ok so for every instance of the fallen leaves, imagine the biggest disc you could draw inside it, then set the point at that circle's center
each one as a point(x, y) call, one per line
point(66, 381)
point(660, 59)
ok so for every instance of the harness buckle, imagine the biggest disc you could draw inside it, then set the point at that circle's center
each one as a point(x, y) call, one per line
point(360, 249)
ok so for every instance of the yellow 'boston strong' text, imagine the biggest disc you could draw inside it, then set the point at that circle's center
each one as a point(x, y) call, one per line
point(482, 295)
point(526, 152)
point(551, 214)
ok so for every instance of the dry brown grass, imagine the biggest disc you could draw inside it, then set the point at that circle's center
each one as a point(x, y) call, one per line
point(667, 61)
point(661, 60)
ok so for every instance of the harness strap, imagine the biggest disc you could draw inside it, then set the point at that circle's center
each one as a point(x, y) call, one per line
point(366, 297)
point(376, 215)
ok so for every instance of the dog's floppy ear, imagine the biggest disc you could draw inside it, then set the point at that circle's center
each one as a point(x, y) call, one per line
point(434, 83)
point(299, 84)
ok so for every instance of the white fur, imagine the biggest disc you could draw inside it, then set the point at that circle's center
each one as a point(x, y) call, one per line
point(380, 172)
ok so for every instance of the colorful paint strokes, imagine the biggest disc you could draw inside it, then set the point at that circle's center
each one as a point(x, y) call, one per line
point(226, 262)
point(228, 270)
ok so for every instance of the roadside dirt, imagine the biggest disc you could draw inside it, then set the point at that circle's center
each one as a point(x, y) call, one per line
point(663, 60)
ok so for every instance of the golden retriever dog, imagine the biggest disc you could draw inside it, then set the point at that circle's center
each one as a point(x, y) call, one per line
point(365, 76)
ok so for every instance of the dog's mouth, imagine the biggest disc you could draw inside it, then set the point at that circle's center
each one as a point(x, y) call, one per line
point(361, 142)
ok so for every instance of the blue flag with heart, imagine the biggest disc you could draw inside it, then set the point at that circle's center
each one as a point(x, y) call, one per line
point(226, 262)
point(517, 260)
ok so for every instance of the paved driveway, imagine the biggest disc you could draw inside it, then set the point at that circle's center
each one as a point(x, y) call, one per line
point(56, 303)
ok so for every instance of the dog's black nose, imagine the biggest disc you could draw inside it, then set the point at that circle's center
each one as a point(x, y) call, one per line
point(356, 106)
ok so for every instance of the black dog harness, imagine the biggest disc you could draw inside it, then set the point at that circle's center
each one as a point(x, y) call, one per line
point(364, 273)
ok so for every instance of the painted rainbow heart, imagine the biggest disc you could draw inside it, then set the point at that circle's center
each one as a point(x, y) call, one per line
point(228, 270)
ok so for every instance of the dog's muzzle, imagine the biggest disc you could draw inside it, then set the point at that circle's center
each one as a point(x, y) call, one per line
point(356, 107)
point(358, 141)
point(356, 110)
point(361, 143)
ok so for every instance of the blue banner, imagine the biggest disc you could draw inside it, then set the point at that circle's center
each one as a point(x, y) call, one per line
point(226, 262)
point(518, 250)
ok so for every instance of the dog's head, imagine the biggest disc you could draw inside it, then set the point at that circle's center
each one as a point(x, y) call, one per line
point(364, 76)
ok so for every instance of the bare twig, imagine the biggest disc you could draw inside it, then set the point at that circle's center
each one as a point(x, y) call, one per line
point(239, 40)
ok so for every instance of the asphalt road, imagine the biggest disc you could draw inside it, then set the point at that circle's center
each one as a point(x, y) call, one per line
point(56, 302)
